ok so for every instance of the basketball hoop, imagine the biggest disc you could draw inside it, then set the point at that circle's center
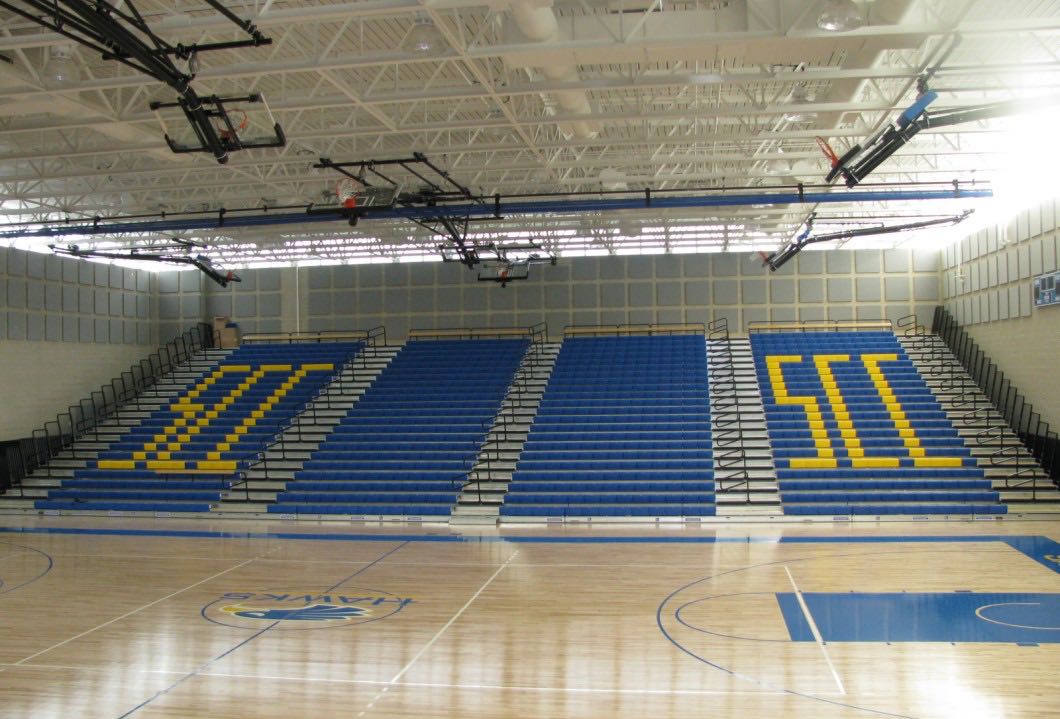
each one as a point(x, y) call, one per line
point(347, 190)
point(827, 150)
point(240, 121)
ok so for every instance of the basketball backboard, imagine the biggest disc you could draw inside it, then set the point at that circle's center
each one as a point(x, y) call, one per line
point(238, 123)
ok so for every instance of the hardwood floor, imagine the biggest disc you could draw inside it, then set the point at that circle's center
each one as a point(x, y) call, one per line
point(171, 618)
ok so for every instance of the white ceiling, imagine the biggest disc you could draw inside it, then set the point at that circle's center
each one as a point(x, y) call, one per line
point(526, 96)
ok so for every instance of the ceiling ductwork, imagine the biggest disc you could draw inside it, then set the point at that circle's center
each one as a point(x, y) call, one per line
point(536, 22)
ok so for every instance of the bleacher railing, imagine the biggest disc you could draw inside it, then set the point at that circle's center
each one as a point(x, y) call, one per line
point(1018, 413)
point(108, 402)
point(292, 430)
point(821, 326)
point(675, 328)
point(474, 333)
point(725, 414)
point(522, 393)
point(314, 337)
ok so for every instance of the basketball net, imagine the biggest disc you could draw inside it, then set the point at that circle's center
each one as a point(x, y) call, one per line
point(346, 190)
point(241, 123)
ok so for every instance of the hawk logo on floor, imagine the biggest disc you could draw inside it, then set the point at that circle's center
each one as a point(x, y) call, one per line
point(299, 609)
point(312, 613)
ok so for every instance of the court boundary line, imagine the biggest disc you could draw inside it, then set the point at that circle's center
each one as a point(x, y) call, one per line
point(416, 685)
point(135, 611)
point(1030, 545)
point(456, 616)
point(816, 632)
point(515, 539)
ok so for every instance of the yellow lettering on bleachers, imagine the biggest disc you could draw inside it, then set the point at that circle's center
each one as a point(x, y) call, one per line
point(938, 462)
point(116, 464)
point(171, 465)
point(874, 462)
point(813, 463)
point(233, 368)
point(835, 397)
point(774, 366)
point(216, 466)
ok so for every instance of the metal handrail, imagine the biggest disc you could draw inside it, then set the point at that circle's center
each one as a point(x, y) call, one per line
point(733, 457)
point(673, 328)
point(1018, 414)
point(450, 333)
point(280, 438)
point(819, 326)
point(312, 337)
point(125, 387)
point(519, 387)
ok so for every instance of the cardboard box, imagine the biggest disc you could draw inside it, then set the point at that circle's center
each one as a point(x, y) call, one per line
point(219, 323)
point(229, 338)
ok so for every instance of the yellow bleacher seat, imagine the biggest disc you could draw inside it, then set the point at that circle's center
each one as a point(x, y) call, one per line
point(813, 463)
point(165, 465)
point(938, 462)
point(874, 462)
point(116, 464)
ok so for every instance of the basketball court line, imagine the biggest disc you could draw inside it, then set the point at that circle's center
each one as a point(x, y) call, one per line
point(814, 630)
point(439, 633)
point(521, 539)
point(456, 616)
point(198, 671)
point(137, 610)
point(1041, 549)
point(417, 685)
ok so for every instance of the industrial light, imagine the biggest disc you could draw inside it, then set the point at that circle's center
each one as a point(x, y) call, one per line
point(424, 38)
point(61, 71)
point(840, 16)
point(799, 96)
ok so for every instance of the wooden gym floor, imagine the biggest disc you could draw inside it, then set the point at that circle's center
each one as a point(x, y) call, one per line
point(168, 618)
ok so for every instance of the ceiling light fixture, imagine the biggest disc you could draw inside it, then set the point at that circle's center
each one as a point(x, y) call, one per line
point(61, 70)
point(424, 38)
point(800, 96)
point(840, 16)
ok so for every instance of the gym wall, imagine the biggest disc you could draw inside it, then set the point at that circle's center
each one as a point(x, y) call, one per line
point(866, 284)
point(988, 287)
point(66, 327)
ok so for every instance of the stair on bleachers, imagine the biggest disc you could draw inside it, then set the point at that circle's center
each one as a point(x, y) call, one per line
point(482, 496)
point(184, 454)
point(744, 477)
point(1020, 481)
point(856, 430)
point(405, 448)
point(128, 416)
point(622, 431)
point(265, 479)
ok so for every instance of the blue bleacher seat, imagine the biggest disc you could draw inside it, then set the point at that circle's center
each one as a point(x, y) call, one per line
point(187, 452)
point(855, 429)
point(407, 445)
point(623, 430)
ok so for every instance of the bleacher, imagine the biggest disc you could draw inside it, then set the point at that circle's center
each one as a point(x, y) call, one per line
point(185, 455)
point(623, 430)
point(856, 430)
point(406, 447)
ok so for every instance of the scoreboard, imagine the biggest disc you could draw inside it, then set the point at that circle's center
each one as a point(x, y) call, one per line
point(1047, 289)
